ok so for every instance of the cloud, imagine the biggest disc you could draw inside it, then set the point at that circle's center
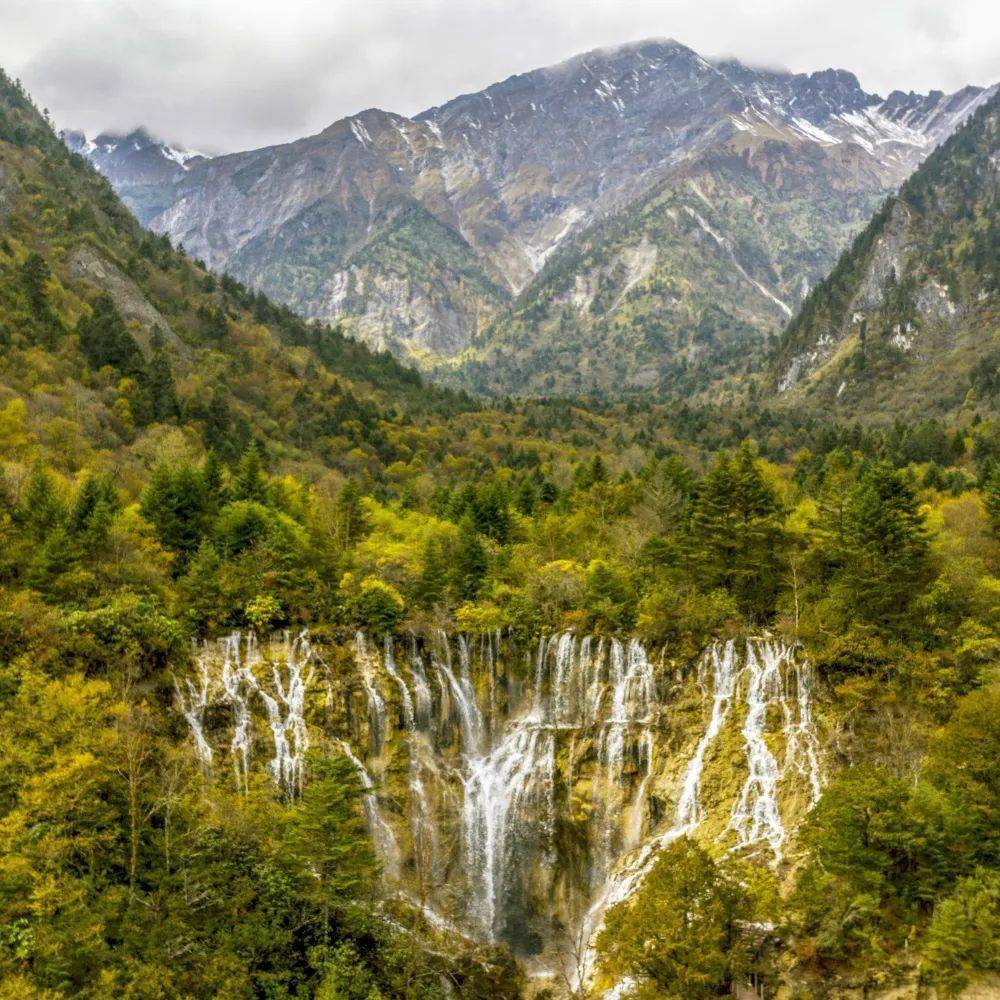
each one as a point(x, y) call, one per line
point(233, 75)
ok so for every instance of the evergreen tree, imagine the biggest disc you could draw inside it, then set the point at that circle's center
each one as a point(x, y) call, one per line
point(211, 477)
point(433, 580)
point(964, 936)
point(682, 932)
point(526, 498)
point(883, 548)
point(991, 500)
point(738, 535)
point(470, 562)
point(92, 511)
point(159, 386)
point(352, 522)
point(105, 340)
point(175, 504)
point(35, 275)
point(42, 510)
point(250, 483)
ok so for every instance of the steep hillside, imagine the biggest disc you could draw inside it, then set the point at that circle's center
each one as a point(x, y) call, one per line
point(420, 232)
point(908, 322)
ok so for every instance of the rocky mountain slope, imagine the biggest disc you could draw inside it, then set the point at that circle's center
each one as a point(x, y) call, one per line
point(909, 318)
point(727, 190)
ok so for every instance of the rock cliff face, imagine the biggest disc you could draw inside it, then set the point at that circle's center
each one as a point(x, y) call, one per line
point(422, 232)
point(516, 793)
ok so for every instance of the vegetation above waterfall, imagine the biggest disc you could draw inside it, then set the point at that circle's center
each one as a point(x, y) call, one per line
point(181, 459)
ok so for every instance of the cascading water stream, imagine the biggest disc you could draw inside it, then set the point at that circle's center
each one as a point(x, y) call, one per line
point(422, 824)
point(376, 703)
point(380, 831)
point(622, 883)
point(234, 685)
point(538, 805)
point(470, 717)
point(193, 702)
point(422, 698)
point(286, 713)
point(499, 783)
point(756, 816)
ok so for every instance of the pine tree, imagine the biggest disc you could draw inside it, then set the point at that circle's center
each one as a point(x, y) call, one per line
point(93, 510)
point(105, 340)
point(352, 522)
point(35, 275)
point(433, 579)
point(681, 932)
point(42, 510)
point(159, 385)
point(251, 483)
point(175, 504)
point(991, 500)
point(738, 537)
point(883, 548)
point(470, 562)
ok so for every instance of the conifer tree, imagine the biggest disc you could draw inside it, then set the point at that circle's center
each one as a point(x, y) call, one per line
point(175, 503)
point(159, 385)
point(352, 523)
point(251, 484)
point(883, 548)
point(991, 500)
point(433, 579)
point(105, 340)
point(42, 509)
point(737, 532)
point(470, 562)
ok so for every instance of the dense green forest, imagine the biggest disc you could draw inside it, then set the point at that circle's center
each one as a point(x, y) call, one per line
point(181, 458)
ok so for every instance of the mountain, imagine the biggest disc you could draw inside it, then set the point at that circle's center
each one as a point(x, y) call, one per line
point(138, 166)
point(482, 226)
point(909, 319)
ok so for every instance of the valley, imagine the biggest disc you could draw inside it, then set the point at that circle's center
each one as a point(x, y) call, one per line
point(644, 645)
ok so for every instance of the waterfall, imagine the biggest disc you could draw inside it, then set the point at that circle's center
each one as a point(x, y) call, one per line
point(423, 701)
point(422, 824)
point(283, 702)
point(499, 783)
point(627, 879)
point(376, 703)
point(234, 685)
point(484, 803)
point(755, 816)
point(802, 744)
point(286, 713)
point(470, 717)
point(723, 681)
point(192, 702)
point(409, 718)
point(380, 831)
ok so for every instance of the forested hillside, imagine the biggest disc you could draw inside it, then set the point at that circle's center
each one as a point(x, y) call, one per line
point(909, 319)
point(181, 459)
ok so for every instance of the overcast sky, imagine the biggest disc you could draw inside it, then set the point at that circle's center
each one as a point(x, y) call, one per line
point(235, 74)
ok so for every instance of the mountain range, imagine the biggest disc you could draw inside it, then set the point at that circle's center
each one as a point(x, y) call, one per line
point(627, 220)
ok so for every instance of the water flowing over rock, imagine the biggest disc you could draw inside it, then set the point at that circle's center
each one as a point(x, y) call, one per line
point(520, 791)
point(237, 661)
point(381, 833)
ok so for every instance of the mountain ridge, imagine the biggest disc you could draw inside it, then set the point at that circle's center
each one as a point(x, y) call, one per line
point(422, 233)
